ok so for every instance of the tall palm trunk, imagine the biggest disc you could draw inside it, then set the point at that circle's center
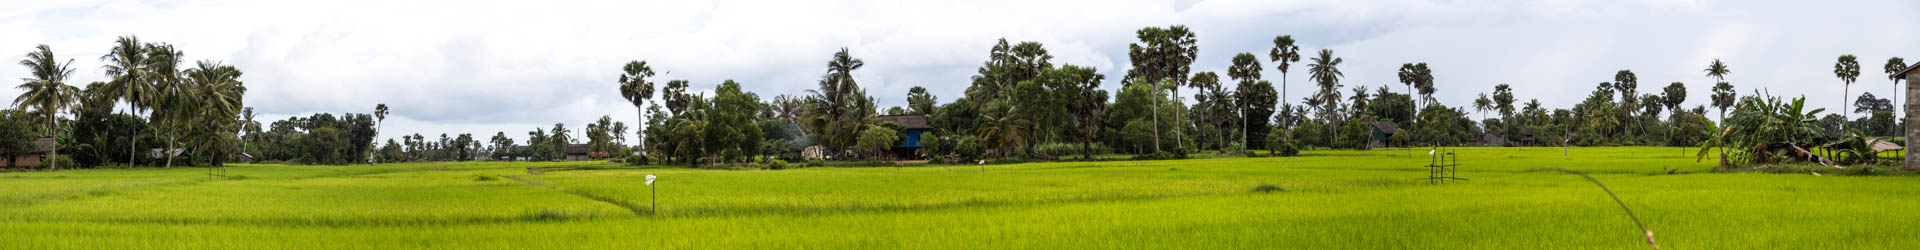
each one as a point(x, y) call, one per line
point(54, 157)
point(1179, 141)
point(135, 139)
point(1843, 108)
point(1156, 115)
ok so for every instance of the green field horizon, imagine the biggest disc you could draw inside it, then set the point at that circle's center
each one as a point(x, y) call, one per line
point(1323, 199)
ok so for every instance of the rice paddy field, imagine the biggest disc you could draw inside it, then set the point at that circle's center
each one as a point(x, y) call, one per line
point(1325, 199)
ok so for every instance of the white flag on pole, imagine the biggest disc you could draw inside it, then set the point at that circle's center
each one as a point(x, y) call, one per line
point(1429, 152)
point(649, 180)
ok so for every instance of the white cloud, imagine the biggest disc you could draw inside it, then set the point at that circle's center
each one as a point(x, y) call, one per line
point(483, 67)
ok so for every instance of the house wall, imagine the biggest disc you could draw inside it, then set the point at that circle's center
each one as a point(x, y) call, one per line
point(26, 161)
point(1913, 149)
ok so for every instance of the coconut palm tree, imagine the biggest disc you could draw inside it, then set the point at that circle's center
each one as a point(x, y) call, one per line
point(217, 95)
point(635, 87)
point(1718, 70)
point(380, 113)
point(132, 81)
point(1848, 70)
point(47, 92)
point(1482, 105)
point(171, 99)
point(1284, 53)
point(1325, 71)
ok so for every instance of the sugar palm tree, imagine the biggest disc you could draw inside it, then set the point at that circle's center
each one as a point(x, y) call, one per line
point(1245, 69)
point(47, 92)
point(379, 112)
point(132, 81)
point(635, 87)
point(1284, 53)
point(1407, 77)
point(1723, 97)
point(1893, 68)
point(1848, 70)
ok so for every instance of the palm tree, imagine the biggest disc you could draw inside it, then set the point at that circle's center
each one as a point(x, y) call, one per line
point(1847, 69)
point(1325, 71)
point(1718, 70)
point(1723, 97)
point(1246, 69)
point(1674, 95)
point(171, 102)
point(1893, 68)
point(1408, 76)
point(379, 112)
point(131, 81)
point(47, 92)
point(1625, 83)
point(635, 87)
point(1284, 53)
point(1482, 105)
point(217, 93)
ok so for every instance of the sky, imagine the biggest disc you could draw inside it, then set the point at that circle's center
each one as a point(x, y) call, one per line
point(483, 67)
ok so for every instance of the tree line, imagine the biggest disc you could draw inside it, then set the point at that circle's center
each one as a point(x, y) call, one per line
point(1019, 105)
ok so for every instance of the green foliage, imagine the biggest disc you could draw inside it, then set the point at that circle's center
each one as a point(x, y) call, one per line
point(969, 147)
point(1761, 128)
point(1066, 149)
point(878, 139)
point(16, 133)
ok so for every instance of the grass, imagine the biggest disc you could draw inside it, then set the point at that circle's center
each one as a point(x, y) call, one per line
point(1325, 199)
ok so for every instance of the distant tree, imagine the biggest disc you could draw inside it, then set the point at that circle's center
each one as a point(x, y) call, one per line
point(16, 134)
point(637, 90)
point(132, 81)
point(878, 139)
point(839, 107)
point(1847, 69)
point(1080, 85)
point(1165, 56)
point(1284, 54)
point(1625, 84)
point(919, 102)
point(1326, 72)
point(1245, 71)
point(1893, 68)
point(380, 113)
point(1482, 104)
point(47, 92)
point(1675, 95)
point(1718, 70)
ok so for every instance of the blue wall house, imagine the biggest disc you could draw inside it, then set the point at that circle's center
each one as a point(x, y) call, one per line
point(916, 126)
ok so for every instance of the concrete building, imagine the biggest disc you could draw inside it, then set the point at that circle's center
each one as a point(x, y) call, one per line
point(1911, 74)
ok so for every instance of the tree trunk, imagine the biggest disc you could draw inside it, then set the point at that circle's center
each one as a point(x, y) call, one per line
point(1179, 140)
point(1156, 115)
point(53, 158)
point(1843, 109)
point(169, 149)
point(135, 139)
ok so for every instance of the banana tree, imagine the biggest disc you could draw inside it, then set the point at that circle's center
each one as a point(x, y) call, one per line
point(1764, 129)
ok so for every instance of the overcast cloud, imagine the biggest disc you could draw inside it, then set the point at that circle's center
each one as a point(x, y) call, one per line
point(482, 67)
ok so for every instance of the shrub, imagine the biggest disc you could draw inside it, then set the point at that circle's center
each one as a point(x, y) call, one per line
point(636, 160)
point(1069, 149)
point(777, 164)
point(1267, 188)
point(816, 163)
point(65, 161)
point(969, 147)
